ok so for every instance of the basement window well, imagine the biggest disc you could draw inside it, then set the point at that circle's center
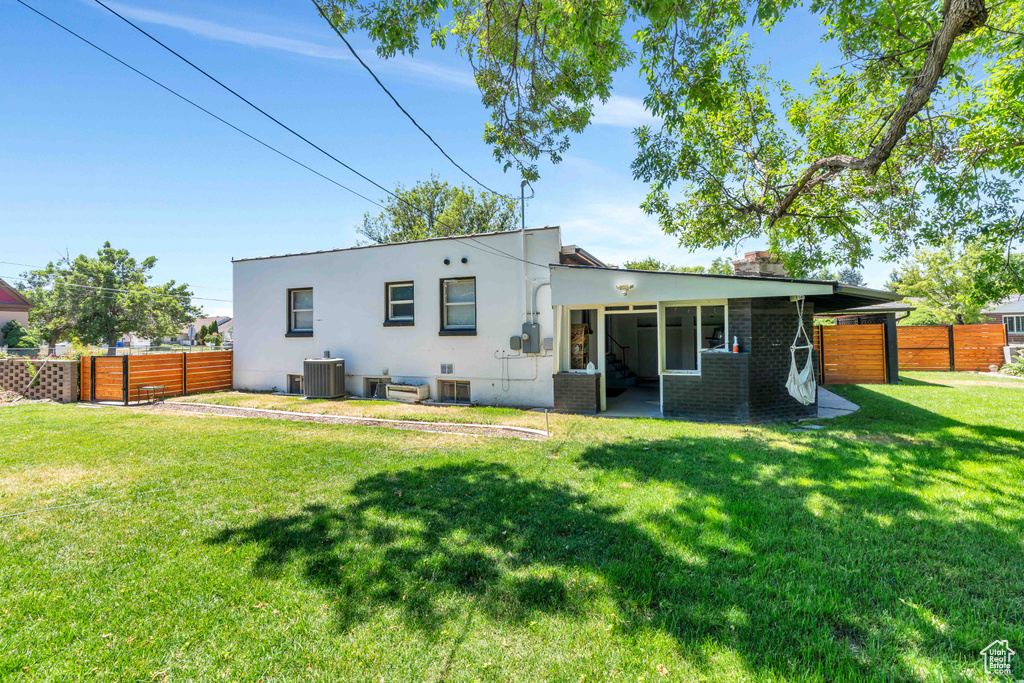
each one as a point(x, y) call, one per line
point(453, 391)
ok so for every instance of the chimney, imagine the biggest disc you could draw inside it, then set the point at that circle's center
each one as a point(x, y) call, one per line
point(759, 264)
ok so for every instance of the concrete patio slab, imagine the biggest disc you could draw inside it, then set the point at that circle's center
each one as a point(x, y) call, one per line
point(832, 405)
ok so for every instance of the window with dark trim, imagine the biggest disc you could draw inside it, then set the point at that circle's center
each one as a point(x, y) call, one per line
point(399, 305)
point(300, 312)
point(458, 306)
point(453, 391)
point(1014, 323)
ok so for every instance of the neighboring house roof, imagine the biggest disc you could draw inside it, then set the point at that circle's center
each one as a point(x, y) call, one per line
point(11, 299)
point(1011, 304)
point(395, 244)
point(222, 320)
point(576, 256)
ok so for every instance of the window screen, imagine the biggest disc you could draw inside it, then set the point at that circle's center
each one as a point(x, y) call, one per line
point(300, 315)
point(459, 304)
point(680, 337)
point(400, 302)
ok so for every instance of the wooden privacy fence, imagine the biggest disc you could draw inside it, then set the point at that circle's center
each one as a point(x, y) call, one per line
point(951, 347)
point(118, 378)
point(851, 354)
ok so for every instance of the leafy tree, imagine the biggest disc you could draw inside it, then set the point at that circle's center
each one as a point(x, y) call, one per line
point(440, 210)
point(852, 276)
point(15, 336)
point(720, 266)
point(101, 299)
point(203, 332)
point(213, 328)
point(955, 284)
point(923, 315)
point(916, 136)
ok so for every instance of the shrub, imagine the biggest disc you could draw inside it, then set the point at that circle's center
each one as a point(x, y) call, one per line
point(1016, 368)
point(17, 337)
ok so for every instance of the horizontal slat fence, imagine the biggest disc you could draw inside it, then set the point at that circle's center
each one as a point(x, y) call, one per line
point(851, 354)
point(178, 373)
point(924, 347)
point(977, 347)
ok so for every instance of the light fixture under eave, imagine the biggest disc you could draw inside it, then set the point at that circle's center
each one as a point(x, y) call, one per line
point(624, 289)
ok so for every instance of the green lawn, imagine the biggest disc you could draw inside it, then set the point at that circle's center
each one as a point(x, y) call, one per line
point(887, 546)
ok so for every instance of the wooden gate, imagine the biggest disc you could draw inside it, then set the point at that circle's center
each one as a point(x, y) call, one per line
point(976, 347)
point(851, 354)
point(102, 378)
point(924, 347)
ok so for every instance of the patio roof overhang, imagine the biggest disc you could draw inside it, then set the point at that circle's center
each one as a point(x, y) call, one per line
point(590, 286)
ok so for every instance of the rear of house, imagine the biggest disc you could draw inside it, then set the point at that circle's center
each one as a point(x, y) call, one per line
point(518, 319)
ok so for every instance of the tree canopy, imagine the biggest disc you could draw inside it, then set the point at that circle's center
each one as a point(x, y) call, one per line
point(916, 137)
point(15, 336)
point(953, 284)
point(433, 208)
point(719, 266)
point(100, 299)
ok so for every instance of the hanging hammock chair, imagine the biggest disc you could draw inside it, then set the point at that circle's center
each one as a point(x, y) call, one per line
point(801, 383)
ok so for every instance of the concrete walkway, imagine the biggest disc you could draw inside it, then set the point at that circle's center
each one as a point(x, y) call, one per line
point(832, 405)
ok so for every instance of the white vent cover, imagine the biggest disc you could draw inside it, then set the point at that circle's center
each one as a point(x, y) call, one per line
point(447, 369)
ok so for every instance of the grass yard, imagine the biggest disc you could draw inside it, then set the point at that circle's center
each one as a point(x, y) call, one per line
point(886, 546)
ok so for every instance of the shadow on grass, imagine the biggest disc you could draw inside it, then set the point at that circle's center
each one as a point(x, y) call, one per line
point(819, 554)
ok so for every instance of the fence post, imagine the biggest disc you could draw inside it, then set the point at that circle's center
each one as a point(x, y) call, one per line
point(892, 352)
point(92, 379)
point(952, 351)
point(184, 373)
point(124, 378)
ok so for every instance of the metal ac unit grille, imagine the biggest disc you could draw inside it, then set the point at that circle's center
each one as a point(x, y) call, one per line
point(323, 378)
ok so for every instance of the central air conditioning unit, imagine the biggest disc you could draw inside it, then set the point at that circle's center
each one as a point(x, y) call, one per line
point(408, 393)
point(323, 377)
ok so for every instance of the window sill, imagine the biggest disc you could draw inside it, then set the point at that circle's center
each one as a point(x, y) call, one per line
point(457, 333)
point(303, 333)
point(399, 323)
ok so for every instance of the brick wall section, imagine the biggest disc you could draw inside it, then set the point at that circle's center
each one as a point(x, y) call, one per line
point(721, 393)
point(577, 392)
point(773, 325)
point(57, 381)
point(739, 323)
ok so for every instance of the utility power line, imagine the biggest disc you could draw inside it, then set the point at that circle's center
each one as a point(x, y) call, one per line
point(488, 249)
point(409, 116)
point(126, 291)
point(291, 130)
point(29, 265)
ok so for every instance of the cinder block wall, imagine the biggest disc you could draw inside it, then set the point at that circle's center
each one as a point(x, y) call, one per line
point(773, 323)
point(57, 381)
point(577, 392)
point(721, 393)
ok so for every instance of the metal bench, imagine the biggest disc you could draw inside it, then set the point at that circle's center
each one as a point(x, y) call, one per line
point(150, 390)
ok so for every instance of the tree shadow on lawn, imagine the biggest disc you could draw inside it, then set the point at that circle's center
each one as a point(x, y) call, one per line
point(818, 555)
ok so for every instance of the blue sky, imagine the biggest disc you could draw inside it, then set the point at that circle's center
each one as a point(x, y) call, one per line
point(91, 152)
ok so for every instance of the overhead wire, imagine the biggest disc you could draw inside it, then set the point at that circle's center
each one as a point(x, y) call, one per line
point(409, 116)
point(482, 247)
point(125, 291)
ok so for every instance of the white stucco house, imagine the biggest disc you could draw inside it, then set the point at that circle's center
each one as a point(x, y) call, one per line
point(519, 319)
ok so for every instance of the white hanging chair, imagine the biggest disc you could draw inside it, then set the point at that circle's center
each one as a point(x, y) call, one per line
point(802, 384)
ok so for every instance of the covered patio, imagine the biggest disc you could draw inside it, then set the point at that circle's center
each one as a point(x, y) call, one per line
point(695, 346)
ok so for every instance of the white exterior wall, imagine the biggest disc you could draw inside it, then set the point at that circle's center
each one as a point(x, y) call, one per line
point(349, 311)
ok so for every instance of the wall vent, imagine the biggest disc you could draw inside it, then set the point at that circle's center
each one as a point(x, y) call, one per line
point(323, 377)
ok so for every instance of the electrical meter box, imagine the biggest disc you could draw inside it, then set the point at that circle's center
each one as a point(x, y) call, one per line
point(531, 338)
